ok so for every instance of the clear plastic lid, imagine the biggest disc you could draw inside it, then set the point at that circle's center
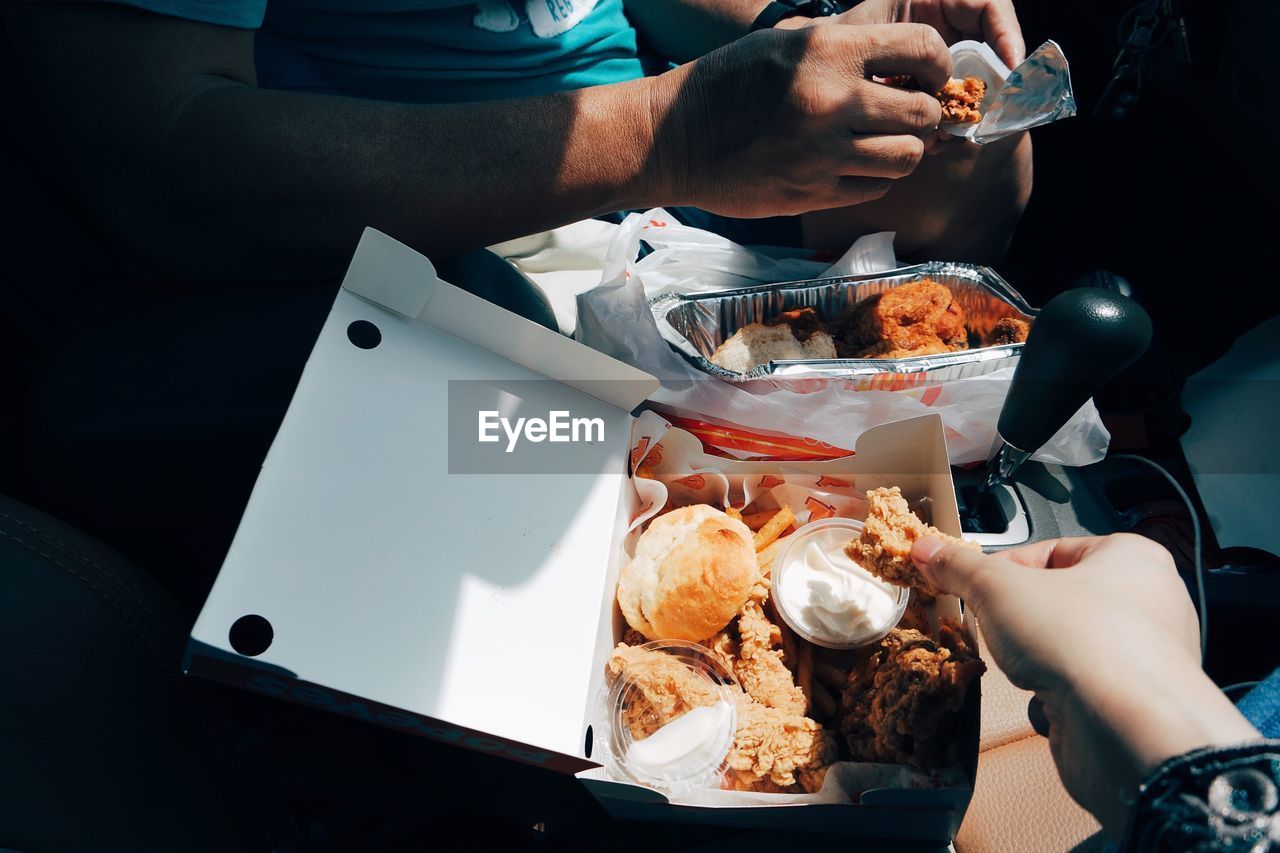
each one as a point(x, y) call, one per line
point(669, 717)
point(825, 596)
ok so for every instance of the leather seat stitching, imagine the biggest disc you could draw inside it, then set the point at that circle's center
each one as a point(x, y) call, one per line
point(155, 653)
point(81, 557)
point(1010, 743)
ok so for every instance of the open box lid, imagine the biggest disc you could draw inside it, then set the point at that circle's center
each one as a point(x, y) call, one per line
point(389, 571)
point(386, 573)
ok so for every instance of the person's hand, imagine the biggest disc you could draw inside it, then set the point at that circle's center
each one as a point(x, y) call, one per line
point(992, 21)
point(784, 122)
point(1108, 640)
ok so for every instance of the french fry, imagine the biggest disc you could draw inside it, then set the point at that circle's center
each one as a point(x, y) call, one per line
point(766, 557)
point(824, 704)
point(734, 512)
point(790, 657)
point(773, 528)
point(804, 672)
point(832, 676)
point(758, 517)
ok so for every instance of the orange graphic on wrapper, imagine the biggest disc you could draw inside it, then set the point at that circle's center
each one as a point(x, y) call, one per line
point(818, 509)
point(826, 482)
point(693, 481)
point(769, 481)
point(643, 453)
point(637, 452)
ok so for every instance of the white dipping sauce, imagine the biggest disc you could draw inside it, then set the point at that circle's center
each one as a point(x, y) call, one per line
point(832, 597)
point(685, 746)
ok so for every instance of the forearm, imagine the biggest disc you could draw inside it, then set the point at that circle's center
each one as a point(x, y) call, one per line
point(286, 181)
point(157, 126)
point(682, 30)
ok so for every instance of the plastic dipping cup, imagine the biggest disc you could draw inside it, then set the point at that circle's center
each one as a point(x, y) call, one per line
point(686, 753)
point(808, 604)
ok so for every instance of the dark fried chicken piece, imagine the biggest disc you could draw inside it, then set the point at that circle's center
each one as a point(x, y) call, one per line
point(1009, 330)
point(891, 529)
point(917, 318)
point(901, 705)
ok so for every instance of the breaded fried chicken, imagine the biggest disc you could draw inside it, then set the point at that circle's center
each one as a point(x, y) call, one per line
point(1010, 330)
point(759, 665)
point(773, 750)
point(664, 688)
point(891, 529)
point(901, 705)
point(917, 318)
point(777, 752)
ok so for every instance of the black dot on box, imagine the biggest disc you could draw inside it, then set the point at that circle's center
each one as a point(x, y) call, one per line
point(251, 635)
point(364, 334)
point(586, 748)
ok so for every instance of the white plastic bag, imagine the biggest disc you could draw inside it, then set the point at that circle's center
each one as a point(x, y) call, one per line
point(615, 318)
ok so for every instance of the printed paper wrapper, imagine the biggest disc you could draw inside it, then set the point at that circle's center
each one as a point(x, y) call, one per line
point(678, 473)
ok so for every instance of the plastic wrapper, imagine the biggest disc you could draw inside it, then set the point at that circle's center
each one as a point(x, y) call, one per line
point(820, 417)
point(1035, 93)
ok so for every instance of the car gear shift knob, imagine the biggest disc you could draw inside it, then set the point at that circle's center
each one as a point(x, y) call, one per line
point(1080, 340)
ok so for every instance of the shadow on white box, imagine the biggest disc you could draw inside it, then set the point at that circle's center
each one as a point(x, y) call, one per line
point(371, 577)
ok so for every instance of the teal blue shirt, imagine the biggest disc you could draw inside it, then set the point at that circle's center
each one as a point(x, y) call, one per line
point(430, 51)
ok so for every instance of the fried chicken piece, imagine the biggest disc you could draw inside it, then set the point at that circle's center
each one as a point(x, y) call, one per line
point(917, 318)
point(1009, 330)
point(777, 752)
point(759, 664)
point(962, 100)
point(901, 705)
point(884, 548)
point(773, 750)
point(663, 688)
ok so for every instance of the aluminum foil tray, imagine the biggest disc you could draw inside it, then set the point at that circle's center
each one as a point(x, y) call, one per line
point(696, 324)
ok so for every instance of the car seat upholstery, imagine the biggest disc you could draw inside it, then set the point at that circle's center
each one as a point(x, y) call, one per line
point(1019, 802)
point(101, 748)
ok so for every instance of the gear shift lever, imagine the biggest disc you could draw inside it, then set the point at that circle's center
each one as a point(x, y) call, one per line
point(1081, 338)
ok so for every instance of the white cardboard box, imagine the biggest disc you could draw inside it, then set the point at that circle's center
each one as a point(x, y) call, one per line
point(372, 578)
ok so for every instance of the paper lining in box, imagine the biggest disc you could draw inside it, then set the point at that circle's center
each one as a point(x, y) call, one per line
point(695, 325)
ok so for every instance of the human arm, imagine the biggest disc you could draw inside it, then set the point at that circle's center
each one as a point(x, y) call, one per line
point(1103, 632)
point(686, 29)
point(196, 172)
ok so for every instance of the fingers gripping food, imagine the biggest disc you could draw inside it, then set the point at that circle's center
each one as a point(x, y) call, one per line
point(692, 572)
point(961, 98)
point(888, 534)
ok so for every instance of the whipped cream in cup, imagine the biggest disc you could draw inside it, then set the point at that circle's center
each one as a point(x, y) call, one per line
point(686, 753)
point(825, 596)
